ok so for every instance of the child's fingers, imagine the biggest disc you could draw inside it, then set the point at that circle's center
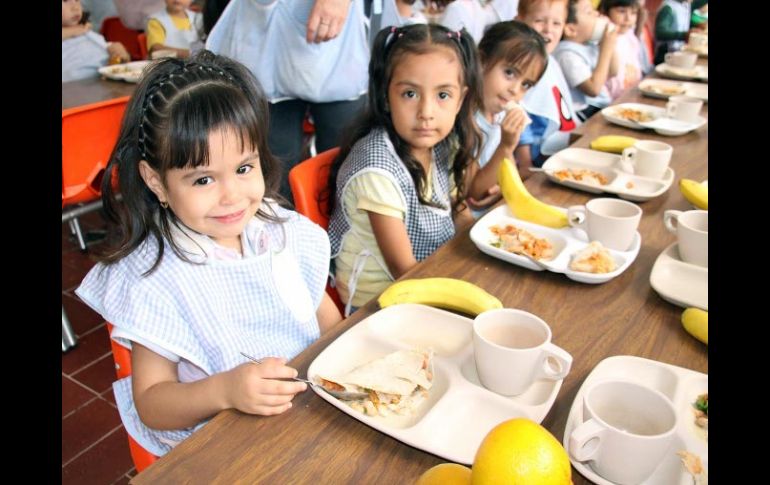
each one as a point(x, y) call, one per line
point(272, 410)
point(282, 388)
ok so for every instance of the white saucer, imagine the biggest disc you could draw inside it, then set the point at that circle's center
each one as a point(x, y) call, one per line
point(699, 73)
point(672, 127)
point(680, 283)
point(682, 386)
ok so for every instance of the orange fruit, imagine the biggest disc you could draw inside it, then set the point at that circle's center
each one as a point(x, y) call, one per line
point(521, 452)
point(445, 474)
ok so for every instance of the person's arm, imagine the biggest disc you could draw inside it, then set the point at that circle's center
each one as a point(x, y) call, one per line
point(594, 84)
point(326, 20)
point(485, 177)
point(165, 403)
point(75, 30)
point(117, 50)
point(665, 26)
point(393, 241)
point(327, 314)
point(156, 36)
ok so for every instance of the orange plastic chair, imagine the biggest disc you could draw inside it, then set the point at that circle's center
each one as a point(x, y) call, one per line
point(307, 179)
point(88, 134)
point(122, 356)
point(141, 38)
point(113, 30)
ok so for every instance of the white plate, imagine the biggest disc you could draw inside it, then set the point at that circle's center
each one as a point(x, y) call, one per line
point(682, 386)
point(699, 73)
point(656, 88)
point(680, 283)
point(459, 411)
point(566, 242)
point(672, 127)
point(640, 189)
point(611, 114)
point(130, 72)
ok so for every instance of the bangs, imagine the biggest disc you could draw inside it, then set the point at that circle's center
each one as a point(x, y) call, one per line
point(201, 110)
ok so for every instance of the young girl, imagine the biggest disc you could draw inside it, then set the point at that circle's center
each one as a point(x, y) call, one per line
point(628, 49)
point(174, 28)
point(205, 264)
point(392, 184)
point(513, 58)
point(83, 51)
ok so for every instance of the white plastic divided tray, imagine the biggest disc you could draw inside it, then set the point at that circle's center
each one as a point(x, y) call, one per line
point(566, 242)
point(664, 88)
point(699, 73)
point(624, 184)
point(680, 283)
point(130, 72)
point(658, 120)
point(682, 386)
point(459, 412)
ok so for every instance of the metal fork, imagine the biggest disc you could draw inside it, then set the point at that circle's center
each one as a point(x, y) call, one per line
point(344, 395)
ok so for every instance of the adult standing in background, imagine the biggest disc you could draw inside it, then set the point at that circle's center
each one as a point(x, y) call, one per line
point(135, 13)
point(476, 15)
point(308, 56)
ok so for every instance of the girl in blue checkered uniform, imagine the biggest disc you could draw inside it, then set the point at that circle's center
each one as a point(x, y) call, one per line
point(398, 185)
point(205, 264)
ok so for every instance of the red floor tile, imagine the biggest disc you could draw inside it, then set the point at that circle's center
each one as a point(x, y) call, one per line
point(86, 426)
point(98, 376)
point(81, 317)
point(73, 395)
point(109, 396)
point(89, 348)
point(74, 267)
point(105, 463)
point(122, 480)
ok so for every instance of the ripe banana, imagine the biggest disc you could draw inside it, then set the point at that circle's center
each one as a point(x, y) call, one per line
point(522, 204)
point(612, 143)
point(695, 192)
point(696, 322)
point(449, 293)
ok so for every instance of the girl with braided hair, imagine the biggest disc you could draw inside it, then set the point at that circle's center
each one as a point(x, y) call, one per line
point(204, 264)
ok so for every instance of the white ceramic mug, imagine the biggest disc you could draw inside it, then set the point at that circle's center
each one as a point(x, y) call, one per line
point(692, 232)
point(647, 158)
point(681, 59)
point(684, 108)
point(612, 222)
point(626, 432)
point(512, 349)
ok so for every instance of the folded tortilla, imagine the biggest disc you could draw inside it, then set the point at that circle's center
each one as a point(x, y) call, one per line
point(399, 373)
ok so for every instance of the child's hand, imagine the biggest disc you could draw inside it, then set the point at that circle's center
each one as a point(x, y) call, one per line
point(255, 388)
point(491, 196)
point(512, 126)
point(118, 53)
point(610, 37)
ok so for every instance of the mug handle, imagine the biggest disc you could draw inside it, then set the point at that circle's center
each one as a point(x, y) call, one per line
point(561, 356)
point(671, 219)
point(670, 110)
point(576, 216)
point(628, 159)
point(581, 435)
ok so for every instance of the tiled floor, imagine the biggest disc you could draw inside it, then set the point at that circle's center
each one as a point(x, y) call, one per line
point(94, 443)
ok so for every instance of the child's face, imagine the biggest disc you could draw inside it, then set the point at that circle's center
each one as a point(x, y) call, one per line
point(504, 82)
point(586, 16)
point(217, 200)
point(71, 13)
point(548, 19)
point(624, 18)
point(425, 94)
point(177, 6)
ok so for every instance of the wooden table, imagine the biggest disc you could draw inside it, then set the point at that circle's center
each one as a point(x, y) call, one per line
point(315, 442)
point(87, 91)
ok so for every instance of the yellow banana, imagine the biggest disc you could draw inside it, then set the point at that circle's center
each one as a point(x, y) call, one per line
point(612, 143)
point(449, 293)
point(696, 322)
point(695, 192)
point(522, 204)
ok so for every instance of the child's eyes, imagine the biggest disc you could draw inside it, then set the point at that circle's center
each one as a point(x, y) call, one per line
point(203, 181)
point(511, 73)
point(244, 169)
point(409, 94)
point(444, 95)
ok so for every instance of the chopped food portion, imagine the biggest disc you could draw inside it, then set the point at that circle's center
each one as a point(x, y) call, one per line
point(692, 463)
point(669, 89)
point(582, 175)
point(701, 406)
point(519, 241)
point(395, 384)
point(629, 185)
point(594, 258)
point(631, 114)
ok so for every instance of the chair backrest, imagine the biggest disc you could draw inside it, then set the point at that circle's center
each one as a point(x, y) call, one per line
point(307, 179)
point(89, 134)
point(113, 30)
point(122, 356)
point(141, 38)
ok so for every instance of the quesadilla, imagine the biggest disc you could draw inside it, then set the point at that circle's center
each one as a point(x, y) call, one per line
point(394, 384)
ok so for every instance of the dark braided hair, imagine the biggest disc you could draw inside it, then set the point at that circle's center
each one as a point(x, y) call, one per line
point(390, 45)
point(176, 106)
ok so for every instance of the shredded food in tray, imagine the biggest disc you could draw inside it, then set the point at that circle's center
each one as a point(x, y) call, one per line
point(582, 175)
point(701, 410)
point(692, 463)
point(594, 258)
point(632, 114)
point(516, 240)
point(670, 89)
